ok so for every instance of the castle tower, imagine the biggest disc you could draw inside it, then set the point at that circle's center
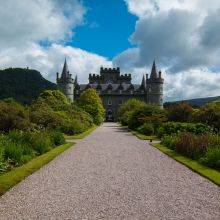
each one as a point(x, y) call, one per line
point(155, 87)
point(66, 83)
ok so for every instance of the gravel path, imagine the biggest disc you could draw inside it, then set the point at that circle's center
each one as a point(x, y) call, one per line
point(111, 174)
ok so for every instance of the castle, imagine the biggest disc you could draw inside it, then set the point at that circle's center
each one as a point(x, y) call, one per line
point(114, 88)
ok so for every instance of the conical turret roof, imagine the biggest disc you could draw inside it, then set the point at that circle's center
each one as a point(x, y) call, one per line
point(143, 83)
point(76, 80)
point(65, 71)
point(154, 74)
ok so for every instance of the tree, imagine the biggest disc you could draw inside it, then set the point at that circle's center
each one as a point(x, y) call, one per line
point(90, 102)
point(126, 110)
point(52, 110)
point(147, 114)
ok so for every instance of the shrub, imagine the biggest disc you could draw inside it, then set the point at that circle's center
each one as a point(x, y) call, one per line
point(146, 114)
point(72, 127)
point(39, 141)
point(195, 146)
point(56, 137)
point(90, 102)
point(124, 119)
point(125, 111)
point(146, 128)
point(169, 141)
point(58, 114)
point(181, 112)
point(170, 128)
point(209, 114)
point(13, 152)
point(13, 116)
point(212, 157)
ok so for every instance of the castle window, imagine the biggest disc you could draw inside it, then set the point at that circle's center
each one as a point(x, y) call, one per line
point(109, 102)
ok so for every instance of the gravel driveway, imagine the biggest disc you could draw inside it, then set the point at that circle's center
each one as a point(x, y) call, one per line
point(111, 174)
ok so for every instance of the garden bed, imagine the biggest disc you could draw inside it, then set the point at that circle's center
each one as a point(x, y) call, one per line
point(81, 135)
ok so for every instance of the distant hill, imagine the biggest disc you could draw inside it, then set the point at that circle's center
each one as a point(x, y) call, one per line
point(197, 102)
point(23, 85)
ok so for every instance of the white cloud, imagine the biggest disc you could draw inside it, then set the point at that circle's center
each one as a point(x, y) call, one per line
point(183, 36)
point(24, 21)
point(150, 7)
point(25, 24)
point(196, 83)
point(50, 60)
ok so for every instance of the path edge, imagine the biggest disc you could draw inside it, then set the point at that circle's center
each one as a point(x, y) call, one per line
point(13, 177)
point(209, 173)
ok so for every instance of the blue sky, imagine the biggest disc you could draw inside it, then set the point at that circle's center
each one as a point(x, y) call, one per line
point(183, 36)
point(107, 28)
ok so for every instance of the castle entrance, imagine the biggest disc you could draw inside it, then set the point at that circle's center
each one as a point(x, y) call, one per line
point(109, 115)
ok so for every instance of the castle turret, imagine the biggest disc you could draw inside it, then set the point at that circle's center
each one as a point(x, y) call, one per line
point(155, 87)
point(66, 83)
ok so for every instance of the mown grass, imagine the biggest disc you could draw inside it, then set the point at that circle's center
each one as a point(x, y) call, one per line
point(143, 137)
point(209, 173)
point(81, 135)
point(11, 178)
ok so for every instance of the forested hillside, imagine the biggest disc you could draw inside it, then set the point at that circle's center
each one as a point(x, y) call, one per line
point(196, 102)
point(24, 85)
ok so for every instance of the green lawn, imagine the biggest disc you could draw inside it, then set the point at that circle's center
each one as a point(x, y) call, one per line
point(11, 178)
point(81, 135)
point(194, 165)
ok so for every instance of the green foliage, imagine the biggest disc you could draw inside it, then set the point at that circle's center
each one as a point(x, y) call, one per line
point(24, 85)
point(169, 141)
point(53, 111)
point(169, 128)
point(146, 114)
point(19, 147)
point(146, 129)
point(181, 112)
point(126, 110)
point(13, 116)
point(13, 152)
point(90, 102)
point(56, 137)
point(193, 146)
point(204, 147)
point(212, 157)
point(209, 114)
point(11, 178)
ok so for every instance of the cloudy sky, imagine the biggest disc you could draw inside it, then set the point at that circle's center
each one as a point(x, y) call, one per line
point(182, 35)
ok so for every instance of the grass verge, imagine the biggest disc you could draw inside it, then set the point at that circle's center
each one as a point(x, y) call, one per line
point(142, 136)
point(81, 135)
point(11, 178)
point(207, 172)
